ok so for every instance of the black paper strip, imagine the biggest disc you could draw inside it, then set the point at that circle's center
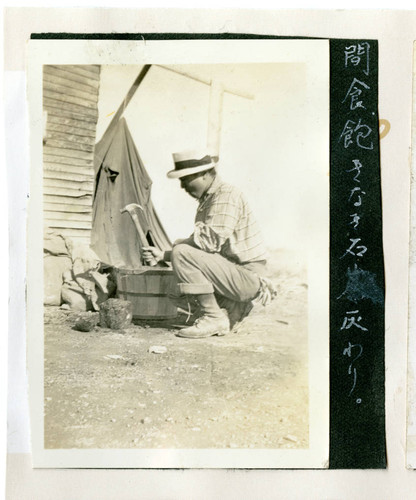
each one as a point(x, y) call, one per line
point(357, 427)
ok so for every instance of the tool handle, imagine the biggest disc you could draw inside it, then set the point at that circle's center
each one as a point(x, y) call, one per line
point(142, 237)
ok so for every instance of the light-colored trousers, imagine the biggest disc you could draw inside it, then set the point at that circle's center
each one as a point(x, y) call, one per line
point(199, 272)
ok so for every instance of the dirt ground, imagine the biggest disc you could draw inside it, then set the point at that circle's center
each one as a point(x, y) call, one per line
point(248, 389)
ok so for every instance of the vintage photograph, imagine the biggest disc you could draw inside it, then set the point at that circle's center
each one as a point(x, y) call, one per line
point(183, 193)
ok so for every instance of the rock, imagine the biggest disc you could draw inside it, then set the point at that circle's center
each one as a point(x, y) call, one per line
point(116, 314)
point(146, 420)
point(291, 438)
point(86, 321)
point(157, 349)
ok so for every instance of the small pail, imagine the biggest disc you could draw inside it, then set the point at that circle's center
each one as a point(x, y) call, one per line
point(147, 289)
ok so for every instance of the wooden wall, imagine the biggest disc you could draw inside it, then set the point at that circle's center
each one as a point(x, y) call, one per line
point(70, 95)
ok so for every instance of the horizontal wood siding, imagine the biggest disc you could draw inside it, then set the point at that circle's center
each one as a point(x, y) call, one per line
point(70, 96)
point(65, 73)
point(61, 160)
point(68, 173)
point(68, 200)
point(62, 107)
point(66, 208)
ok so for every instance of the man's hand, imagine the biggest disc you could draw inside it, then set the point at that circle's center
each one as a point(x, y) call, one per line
point(152, 255)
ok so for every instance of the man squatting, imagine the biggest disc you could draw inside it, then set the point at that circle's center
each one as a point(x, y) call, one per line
point(221, 264)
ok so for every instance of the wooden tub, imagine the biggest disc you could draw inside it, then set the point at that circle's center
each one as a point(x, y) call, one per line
point(147, 289)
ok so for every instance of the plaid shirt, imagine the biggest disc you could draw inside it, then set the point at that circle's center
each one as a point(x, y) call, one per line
point(225, 224)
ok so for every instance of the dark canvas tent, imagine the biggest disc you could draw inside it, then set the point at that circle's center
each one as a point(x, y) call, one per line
point(121, 179)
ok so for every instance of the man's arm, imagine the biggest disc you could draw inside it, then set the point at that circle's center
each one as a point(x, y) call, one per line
point(213, 225)
point(154, 254)
point(217, 224)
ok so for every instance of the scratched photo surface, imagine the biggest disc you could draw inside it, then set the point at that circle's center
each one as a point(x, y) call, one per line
point(109, 130)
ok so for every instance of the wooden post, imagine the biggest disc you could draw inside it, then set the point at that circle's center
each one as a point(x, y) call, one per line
point(230, 90)
point(215, 119)
point(217, 90)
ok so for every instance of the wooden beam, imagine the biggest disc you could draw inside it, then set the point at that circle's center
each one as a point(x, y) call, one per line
point(128, 98)
point(228, 89)
point(215, 119)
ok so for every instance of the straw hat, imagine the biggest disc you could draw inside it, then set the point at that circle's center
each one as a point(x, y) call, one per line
point(190, 162)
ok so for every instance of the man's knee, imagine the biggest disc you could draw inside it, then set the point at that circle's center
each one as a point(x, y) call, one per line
point(181, 253)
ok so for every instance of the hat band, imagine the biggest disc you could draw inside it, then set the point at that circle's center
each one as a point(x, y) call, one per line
point(179, 165)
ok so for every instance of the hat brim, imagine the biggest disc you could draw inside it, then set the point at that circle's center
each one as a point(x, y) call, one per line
point(177, 174)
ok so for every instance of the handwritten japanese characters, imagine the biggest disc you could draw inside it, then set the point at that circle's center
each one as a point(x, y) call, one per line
point(356, 136)
point(358, 55)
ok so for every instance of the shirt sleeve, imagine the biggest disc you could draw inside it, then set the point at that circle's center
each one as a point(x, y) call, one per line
point(219, 221)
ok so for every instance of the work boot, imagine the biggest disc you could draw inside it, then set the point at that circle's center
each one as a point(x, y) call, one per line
point(207, 326)
point(236, 311)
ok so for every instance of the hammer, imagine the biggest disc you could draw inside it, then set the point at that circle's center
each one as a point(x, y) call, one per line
point(131, 209)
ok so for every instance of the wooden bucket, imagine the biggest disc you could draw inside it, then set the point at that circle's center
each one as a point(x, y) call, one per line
point(147, 290)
